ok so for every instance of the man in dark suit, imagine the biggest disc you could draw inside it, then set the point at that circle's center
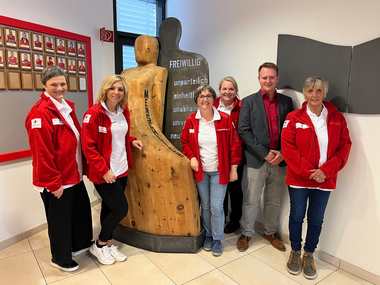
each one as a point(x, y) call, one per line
point(262, 115)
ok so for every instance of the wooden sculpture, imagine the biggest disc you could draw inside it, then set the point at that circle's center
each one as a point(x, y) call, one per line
point(161, 188)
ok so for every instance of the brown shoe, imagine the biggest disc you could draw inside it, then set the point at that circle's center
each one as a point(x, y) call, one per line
point(243, 243)
point(277, 244)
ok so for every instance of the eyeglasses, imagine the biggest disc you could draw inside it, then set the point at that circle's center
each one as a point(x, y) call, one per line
point(207, 97)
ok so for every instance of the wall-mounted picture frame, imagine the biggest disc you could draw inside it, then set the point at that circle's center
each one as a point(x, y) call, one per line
point(26, 80)
point(72, 66)
point(60, 44)
point(37, 42)
point(37, 81)
point(1, 36)
point(38, 61)
point(81, 49)
point(12, 58)
point(49, 44)
point(25, 59)
point(81, 67)
point(82, 83)
point(24, 37)
point(3, 82)
point(62, 63)
point(2, 58)
point(73, 82)
point(10, 37)
point(71, 48)
point(13, 77)
point(50, 60)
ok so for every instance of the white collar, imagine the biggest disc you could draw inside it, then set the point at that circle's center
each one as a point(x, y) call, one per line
point(216, 114)
point(118, 109)
point(59, 106)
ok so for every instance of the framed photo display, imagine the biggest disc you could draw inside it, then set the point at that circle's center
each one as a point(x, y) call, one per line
point(10, 37)
point(50, 60)
point(81, 49)
point(37, 81)
point(14, 80)
point(25, 58)
point(12, 58)
point(81, 67)
point(24, 37)
point(3, 83)
point(37, 42)
point(26, 80)
point(62, 63)
point(72, 69)
point(1, 36)
point(71, 48)
point(49, 44)
point(2, 58)
point(60, 46)
point(38, 61)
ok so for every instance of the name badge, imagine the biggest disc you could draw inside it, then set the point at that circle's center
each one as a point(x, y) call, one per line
point(57, 121)
point(301, 126)
point(102, 130)
point(191, 131)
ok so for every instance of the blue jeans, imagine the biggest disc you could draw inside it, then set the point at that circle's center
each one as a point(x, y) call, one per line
point(317, 205)
point(212, 197)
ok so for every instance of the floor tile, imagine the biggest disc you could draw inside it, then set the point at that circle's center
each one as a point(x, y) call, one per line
point(20, 269)
point(16, 249)
point(278, 259)
point(126, 249)
point(230, 253)
point(180, 267)
point(93, 277)
point(213, 277)
point(53, 274)
point(249, 270)
point(39, 240)
point(137, 269)
point(342, 277)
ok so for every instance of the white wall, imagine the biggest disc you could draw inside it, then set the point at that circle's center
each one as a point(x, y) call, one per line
point(21, 207)
point(237, 36)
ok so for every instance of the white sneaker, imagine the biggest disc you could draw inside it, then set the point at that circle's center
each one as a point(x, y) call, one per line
point(102, 254)
point(117, 254)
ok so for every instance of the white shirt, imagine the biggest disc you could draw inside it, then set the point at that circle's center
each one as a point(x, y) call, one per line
point(208, 148)
point(65, 111)
point(227, 109)
point(119, 129)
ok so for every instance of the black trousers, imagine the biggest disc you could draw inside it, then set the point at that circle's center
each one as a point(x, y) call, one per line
point(69, 221)
point(114, 206)
point(236, 196)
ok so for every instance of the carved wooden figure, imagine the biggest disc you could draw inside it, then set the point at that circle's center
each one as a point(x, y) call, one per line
point(161, 188)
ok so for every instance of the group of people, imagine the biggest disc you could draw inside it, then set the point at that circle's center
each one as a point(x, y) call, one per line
point(62, 152)
point(252, 147)
point(243, 147)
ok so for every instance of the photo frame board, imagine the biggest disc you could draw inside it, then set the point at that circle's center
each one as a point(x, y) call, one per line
point(37, 42)
point(60, 46)
point(25, 60)
point(71, 48)
point(2, 58)
point(82, 83)
point(81, 50)
point(72, 66)
point(81, 67)
point(1, 36)
point(10, 37)
point(62, 63)
point(49, 44)
point(73, 82)
point(50, 60)
point(38, 61)
point(13, 80)
point(37, 81)
point(12, 58)
point(3, 82)
point(24, 37)
point(26, 80)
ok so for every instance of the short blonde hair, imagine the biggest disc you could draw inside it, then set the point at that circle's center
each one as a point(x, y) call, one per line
point(107, 83)
point(233, 81)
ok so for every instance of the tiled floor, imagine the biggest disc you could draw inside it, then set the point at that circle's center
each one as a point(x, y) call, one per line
point(28, 262)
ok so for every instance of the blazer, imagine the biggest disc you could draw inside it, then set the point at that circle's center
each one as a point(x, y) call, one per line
point(253, 127)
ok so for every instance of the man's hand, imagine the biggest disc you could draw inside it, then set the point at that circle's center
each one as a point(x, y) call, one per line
point(277, 157)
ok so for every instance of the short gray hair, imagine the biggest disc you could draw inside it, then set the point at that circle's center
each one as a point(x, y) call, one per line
point(50, 72)
point(202, 87)
point(316, 81)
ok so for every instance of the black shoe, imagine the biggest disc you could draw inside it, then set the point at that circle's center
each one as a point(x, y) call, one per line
point(231, 227)
point(64, 267)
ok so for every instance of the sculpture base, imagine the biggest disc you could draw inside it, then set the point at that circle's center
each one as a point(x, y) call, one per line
point(157, 243)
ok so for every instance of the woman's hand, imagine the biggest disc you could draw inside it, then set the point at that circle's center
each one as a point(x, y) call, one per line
point(58, 193)
point(137, 144)
point(194, 164)
point(233, 174)
point(109, 177)
point(318, 175)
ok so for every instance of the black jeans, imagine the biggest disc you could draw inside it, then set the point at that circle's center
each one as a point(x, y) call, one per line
point(236, 197)
point(114, 206)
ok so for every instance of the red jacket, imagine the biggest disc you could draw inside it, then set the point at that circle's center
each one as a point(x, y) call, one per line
point(229, 149)
point(234, 118)
point(53, 145)
point(301, 150)
point(97, 146)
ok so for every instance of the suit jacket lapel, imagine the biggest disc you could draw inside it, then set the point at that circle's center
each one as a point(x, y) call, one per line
point(261, 109)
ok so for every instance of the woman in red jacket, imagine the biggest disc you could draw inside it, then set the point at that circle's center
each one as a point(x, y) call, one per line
point(229, 103)
point(315, 145)
point(211, 143)
point(58, 165)
point(107, 145)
